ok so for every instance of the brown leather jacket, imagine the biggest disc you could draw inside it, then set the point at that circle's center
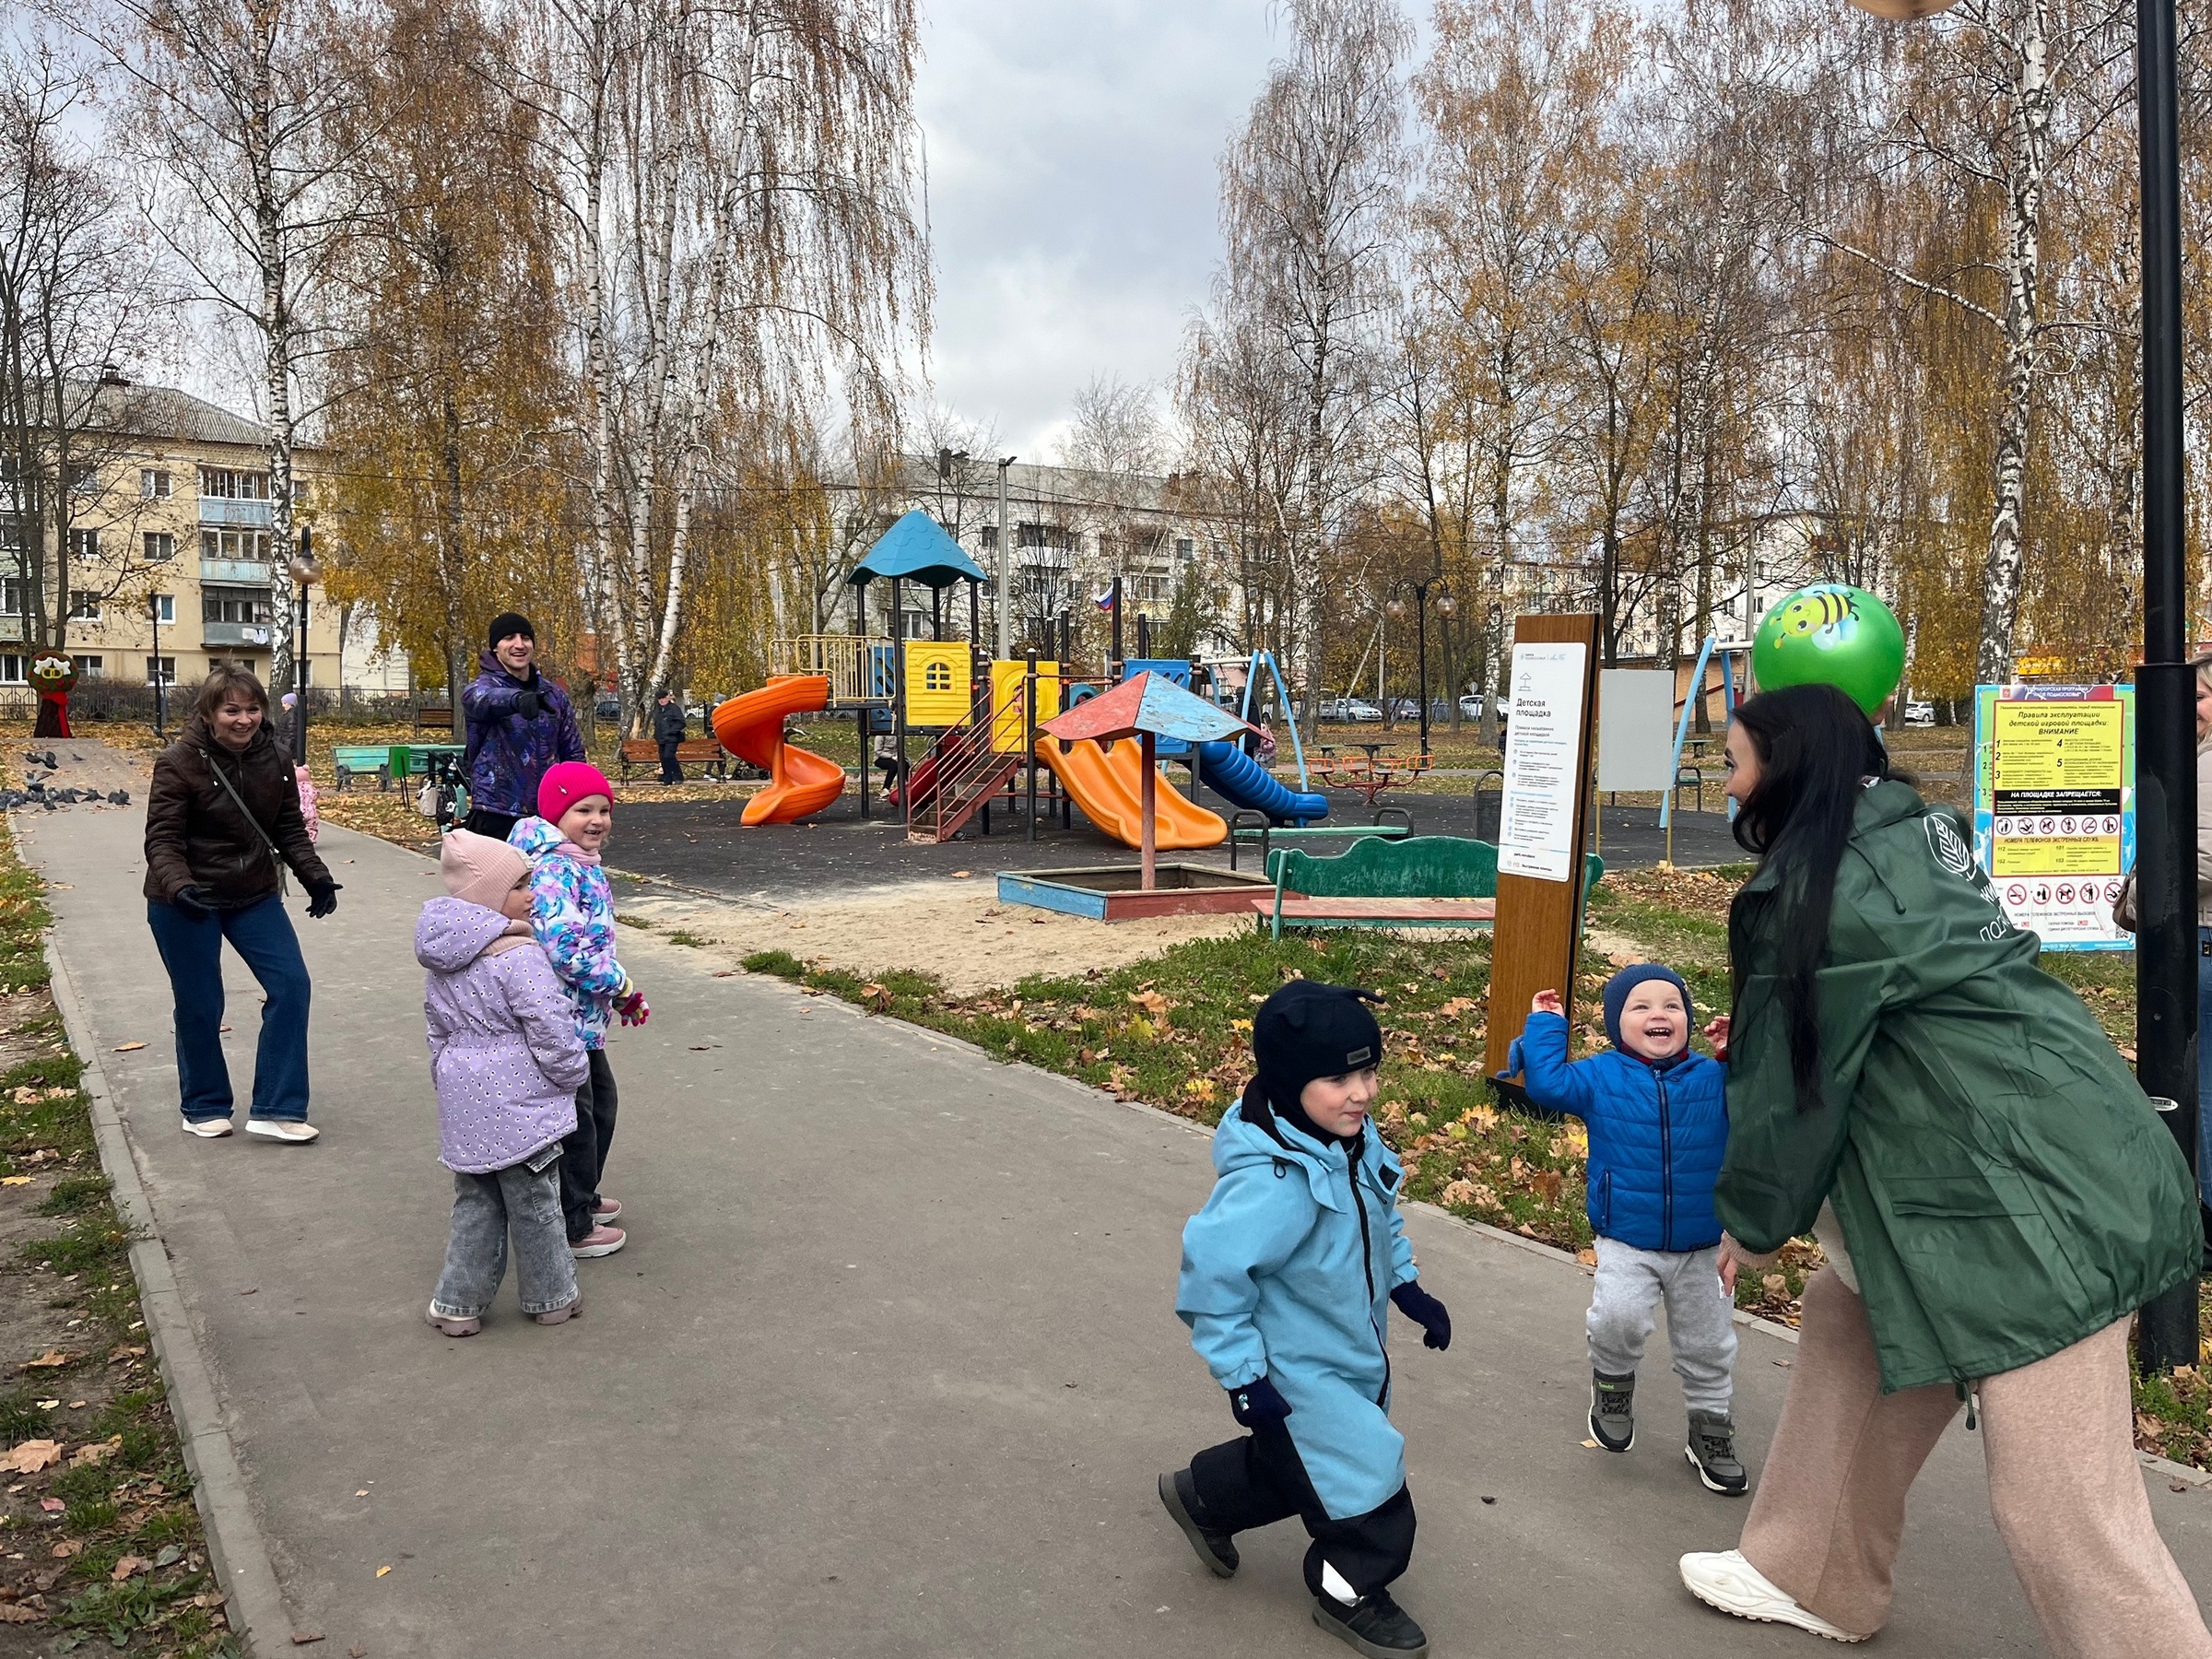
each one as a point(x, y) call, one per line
point(196, 836)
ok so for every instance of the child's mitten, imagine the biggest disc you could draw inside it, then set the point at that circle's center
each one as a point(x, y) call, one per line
point(1425, 1310)
point(1258, 1402)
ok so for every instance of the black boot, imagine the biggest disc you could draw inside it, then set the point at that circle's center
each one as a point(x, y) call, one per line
point(1374, 1625)
point(1613, 1410)
point(1179, 1496)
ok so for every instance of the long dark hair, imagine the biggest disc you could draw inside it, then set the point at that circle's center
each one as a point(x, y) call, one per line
point(1815, 746)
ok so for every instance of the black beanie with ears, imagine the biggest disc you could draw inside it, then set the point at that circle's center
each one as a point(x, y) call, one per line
point(1308, 1030)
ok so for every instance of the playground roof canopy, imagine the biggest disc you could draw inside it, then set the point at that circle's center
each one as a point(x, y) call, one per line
point(916, 549)
point(1150, 702)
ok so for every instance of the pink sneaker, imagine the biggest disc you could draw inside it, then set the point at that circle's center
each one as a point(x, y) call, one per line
point(451, 1326)
point(605, 1211)
point(599, 1242)
point(561, 1315)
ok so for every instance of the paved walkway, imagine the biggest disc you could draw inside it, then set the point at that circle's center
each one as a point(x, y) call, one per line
point(888, 1369)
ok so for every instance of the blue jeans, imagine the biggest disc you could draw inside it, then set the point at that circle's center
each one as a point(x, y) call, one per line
point(193, 952)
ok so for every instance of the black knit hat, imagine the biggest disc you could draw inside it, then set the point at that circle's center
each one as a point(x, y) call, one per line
point(1307, 1031)
point(506, 624)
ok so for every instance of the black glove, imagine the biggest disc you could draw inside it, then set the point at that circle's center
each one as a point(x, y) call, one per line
point(192, 902)
point(1258, 1402)
point(1425, 1310)
point(527, 703)
point(322, 899)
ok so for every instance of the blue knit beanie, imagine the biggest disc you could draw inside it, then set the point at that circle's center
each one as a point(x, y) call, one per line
point(1625, 980)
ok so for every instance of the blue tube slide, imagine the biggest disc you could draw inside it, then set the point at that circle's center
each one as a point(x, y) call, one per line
point(1239, 780)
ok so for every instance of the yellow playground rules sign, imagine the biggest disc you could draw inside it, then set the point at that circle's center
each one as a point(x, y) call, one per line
point(2053, 806)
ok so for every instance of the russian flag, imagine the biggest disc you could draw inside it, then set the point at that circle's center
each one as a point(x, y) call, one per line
point(1104, 599)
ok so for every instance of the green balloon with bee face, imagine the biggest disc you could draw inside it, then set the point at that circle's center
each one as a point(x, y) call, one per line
point(1834, 635)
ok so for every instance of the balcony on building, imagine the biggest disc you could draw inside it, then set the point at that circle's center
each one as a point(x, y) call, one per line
point(247, 515)
point(252, 572)
point(234, 633)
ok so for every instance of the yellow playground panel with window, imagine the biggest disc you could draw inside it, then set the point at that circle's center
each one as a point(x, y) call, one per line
point(937, 676)
point(1010, 717)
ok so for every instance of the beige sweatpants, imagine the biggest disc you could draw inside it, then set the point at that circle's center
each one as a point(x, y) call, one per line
point(2063, 1486)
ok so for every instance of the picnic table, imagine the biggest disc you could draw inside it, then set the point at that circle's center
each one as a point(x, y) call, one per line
point(1367, 773)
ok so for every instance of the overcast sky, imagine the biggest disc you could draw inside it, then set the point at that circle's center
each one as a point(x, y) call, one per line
point(1071, 149)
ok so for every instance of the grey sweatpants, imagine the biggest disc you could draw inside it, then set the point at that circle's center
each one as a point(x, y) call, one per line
point(1700, 1328)
point(519, 1201)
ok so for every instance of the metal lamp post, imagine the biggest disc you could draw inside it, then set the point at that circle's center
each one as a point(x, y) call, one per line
point(153, 605)
point(305, 571)
point(1420, 608)
point(2166, 946)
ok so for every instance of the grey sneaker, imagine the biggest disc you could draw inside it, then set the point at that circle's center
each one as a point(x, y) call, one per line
point(1712, 1452)
point(1613, 1410)
point(453, 1325)
point(560, 1315)
point(1179, 1496)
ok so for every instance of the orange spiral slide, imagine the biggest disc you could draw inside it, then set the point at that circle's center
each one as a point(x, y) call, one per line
point(751, 727)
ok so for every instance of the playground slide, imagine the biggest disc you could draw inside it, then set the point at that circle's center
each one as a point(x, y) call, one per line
point(751, 727)
point(1108, 785)
point(1240, 781)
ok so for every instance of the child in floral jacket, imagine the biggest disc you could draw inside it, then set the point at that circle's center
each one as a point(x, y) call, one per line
point(573, 915)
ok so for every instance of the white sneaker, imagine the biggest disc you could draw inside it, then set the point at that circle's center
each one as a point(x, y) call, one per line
point(208, 1128)
point(282, 1129)
point(1723, 1579)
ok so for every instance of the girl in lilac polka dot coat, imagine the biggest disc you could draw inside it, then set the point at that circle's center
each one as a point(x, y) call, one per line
point(507, 1061)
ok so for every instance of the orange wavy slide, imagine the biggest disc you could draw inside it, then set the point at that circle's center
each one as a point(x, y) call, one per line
point(1108, 785)
point(751, 727)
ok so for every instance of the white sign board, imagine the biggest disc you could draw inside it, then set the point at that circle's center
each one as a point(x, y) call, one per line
point(1635, 728)
point(1536, 822)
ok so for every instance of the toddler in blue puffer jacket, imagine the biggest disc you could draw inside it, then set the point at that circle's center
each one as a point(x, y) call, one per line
point(1289, 1277)
point(1658, 1121)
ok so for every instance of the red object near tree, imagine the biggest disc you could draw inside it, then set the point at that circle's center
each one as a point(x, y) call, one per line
point(54, 678)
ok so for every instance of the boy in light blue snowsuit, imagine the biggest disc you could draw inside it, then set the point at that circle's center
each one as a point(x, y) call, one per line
point(1288, 1275)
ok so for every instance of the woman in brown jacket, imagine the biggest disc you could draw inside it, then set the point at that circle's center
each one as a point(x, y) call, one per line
point(222, 821)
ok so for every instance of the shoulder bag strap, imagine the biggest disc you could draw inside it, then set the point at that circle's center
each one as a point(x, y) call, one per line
point(277, 858)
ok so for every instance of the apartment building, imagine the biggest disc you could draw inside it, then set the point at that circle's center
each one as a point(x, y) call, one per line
point(170, 557)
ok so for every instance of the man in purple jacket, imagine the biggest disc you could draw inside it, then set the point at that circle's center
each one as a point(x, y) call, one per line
point(519, 724)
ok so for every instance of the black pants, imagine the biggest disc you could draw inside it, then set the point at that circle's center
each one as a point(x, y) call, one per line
point(670, 771)
point(494, 824)
point(1260, 1479)
point(584, 1153)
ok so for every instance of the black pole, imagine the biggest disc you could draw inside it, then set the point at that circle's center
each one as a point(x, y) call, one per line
point(975, 617)
point(1028, 726)
point(1116, 601)
point(899, 771)
point(2166, 954)
point(1144, 637)
point(1420, 608)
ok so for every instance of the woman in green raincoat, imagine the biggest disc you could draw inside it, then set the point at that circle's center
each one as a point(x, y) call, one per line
point(1993, 1190)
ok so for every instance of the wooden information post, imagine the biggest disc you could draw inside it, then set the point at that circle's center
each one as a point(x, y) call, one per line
point(1543, 824)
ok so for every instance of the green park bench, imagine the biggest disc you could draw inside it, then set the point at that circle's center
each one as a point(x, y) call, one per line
point(1420, 881)
point(353, 761)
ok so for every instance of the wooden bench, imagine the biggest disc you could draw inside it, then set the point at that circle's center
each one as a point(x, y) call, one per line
point(692, 751)
point(434, 717)
point(363, 759)
point(1247, 827)
point(1421, 881)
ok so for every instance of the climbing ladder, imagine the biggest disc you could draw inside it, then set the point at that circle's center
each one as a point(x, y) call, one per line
point(965, 767)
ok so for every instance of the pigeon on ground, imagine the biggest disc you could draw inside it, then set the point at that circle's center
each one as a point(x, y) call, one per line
point(119, 797)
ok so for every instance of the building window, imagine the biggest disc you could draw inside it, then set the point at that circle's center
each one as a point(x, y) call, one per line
point(233, 605)
point(83, 607)
point(153, 484)
point(84, 543)
point(165, 608)
point(13, 668)
point(234, 486)
point(990, 537)
point(160, 671)
point(1183, 546)
point(160, 547)
point(11, 596)
point(235, 544)
point(90, 668)
point(84, 478)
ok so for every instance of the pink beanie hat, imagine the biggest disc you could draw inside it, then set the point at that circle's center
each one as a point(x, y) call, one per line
point(569, 783)
point(479, 869)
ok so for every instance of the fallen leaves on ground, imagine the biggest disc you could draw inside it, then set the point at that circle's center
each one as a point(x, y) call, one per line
point(16, 1613)
point(126, 1567)
point(128, 1048)
point(95, 1452)
point(31, 1456)
point(52, 1358)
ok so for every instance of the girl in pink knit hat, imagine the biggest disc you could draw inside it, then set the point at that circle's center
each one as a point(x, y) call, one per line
point(507, 1062)
point(573, 914)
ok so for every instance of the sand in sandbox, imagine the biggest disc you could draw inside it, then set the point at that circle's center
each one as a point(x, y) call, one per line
point(955, 929)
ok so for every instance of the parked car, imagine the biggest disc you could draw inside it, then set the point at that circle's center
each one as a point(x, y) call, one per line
point(1350, 707)
point(1920, 714)
point(607, 707)
point(1470, 706)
